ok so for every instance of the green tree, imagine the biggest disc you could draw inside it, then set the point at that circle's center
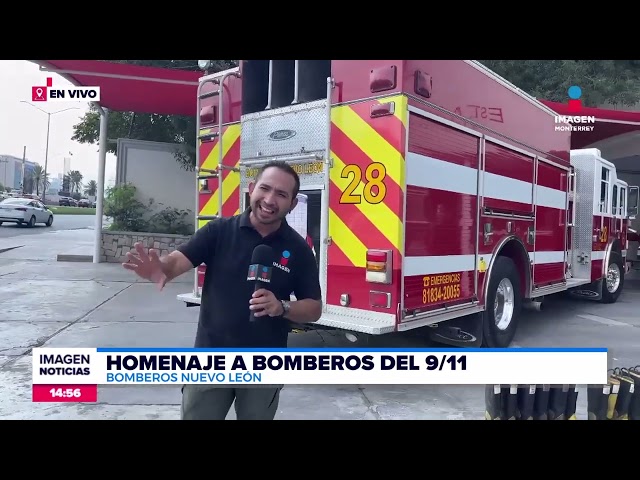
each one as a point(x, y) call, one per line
point(602, 81)
point(40, 180)
point(75, 178)
point(151, 127)
point(91, 188)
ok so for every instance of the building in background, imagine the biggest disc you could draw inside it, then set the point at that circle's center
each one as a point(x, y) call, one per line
point(11, 171)
point(55, 184)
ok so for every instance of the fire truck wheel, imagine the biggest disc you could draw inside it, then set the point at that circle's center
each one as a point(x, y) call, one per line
point(613, 280)
point(503, 304)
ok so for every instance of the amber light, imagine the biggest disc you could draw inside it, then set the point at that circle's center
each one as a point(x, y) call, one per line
point(376, 261)
point(378, 266)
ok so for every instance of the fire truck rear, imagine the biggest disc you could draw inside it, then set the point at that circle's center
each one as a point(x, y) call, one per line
point(437, 194)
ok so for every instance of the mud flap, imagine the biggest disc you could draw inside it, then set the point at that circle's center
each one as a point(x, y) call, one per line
point(459, 332)
point(592, 291)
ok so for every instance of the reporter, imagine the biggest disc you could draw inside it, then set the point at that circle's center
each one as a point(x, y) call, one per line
point(226, 246)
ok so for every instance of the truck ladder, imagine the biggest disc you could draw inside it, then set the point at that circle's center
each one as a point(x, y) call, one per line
point(206, 173)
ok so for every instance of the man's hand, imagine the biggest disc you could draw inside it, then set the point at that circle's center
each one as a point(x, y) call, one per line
point(264, 302)
point(146, 266)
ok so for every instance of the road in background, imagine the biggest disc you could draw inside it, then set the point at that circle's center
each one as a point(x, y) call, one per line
point(60, 222)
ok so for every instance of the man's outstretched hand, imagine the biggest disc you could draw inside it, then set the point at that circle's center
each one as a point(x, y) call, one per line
point(146, 266)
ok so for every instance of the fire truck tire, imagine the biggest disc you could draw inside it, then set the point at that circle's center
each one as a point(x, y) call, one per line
point(614, 279)
point(503, 304)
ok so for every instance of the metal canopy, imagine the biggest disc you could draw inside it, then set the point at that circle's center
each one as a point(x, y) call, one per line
point(126, 88)
point(609, 123)
point(131, 88)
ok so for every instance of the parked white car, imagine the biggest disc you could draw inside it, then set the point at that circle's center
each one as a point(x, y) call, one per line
point(25, 211)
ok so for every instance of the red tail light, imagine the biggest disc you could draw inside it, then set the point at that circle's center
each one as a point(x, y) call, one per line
point(379, 266)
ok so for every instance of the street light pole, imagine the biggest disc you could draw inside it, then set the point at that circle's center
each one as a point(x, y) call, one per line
point(24, 157)
point(46, 153)
point(46, 159)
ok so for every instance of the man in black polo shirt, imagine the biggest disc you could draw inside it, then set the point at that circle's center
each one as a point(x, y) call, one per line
point(226, 245)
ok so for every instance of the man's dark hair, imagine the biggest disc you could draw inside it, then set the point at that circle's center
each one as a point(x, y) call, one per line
point(285, 167)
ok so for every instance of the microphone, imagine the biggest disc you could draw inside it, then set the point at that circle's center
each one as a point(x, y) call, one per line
point(260, 270)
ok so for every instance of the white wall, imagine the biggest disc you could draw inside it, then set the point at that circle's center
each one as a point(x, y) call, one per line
point(153, 169)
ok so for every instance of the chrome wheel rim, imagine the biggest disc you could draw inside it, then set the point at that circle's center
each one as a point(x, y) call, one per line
point(613, 278)
point(504, 304)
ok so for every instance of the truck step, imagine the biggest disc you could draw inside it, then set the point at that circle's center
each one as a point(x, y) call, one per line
point(368, 325)
point(212, 93)
point(207, 177)
point(208, 136)
point(373, 326)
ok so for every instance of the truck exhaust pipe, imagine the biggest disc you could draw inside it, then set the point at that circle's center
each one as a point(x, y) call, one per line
point(535, 305)
point(351, 337)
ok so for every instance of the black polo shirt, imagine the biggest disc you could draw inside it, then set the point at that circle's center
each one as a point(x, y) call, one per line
point(226, 245)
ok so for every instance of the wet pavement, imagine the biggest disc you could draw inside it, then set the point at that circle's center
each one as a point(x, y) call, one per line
point(59, 304)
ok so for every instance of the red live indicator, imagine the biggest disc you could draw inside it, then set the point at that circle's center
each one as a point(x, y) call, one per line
point(65, 393)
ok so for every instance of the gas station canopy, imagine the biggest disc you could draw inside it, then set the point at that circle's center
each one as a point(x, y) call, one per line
point(132, 88)
point(609, 123)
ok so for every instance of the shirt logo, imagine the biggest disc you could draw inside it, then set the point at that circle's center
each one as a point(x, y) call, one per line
point(284, 260)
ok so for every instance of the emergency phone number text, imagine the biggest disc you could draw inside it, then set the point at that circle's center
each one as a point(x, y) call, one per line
point(441, 288)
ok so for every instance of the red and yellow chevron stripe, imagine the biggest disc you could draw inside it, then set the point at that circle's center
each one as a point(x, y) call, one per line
point(209, 157)
point(367, 182)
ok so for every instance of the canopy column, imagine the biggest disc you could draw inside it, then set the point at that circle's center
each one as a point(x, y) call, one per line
point(102, 161)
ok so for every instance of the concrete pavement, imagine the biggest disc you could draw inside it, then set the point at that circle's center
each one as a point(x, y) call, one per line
point(58, 304)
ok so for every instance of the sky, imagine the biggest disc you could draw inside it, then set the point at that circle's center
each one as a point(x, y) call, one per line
point(23, 125)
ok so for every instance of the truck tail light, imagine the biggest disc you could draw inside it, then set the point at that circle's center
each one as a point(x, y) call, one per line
point(379, 266)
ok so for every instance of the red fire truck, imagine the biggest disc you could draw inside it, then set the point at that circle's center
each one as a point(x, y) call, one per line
point(437, 193)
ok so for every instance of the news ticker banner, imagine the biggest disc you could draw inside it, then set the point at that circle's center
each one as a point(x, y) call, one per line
point(73, 374)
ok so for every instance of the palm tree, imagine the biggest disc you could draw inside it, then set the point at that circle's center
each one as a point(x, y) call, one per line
point(39, 179)
point(76, 181)
point(91, 188)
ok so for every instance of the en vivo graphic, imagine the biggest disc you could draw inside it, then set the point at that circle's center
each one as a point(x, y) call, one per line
point(49, 93)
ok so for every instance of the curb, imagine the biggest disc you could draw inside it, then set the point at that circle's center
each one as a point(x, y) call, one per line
point(74, 258)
